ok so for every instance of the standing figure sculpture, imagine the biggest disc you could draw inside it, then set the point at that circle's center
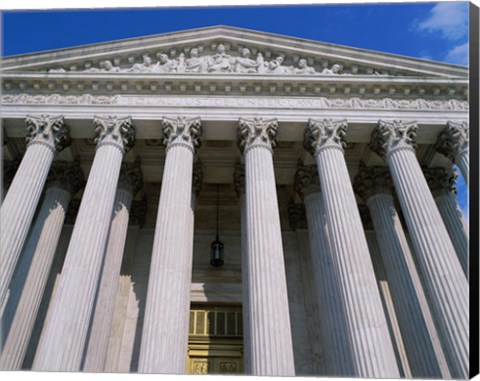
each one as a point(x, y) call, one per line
point(195, 63)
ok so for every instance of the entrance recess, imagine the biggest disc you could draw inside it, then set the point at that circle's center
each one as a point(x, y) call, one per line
point(215, 343)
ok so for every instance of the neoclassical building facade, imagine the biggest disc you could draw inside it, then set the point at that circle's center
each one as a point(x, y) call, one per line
point(323, 175)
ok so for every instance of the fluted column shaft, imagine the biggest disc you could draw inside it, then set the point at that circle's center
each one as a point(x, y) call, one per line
point(443, 276)
point(456, 226)
point(399, 268)
point(165, 329)
point(104, 308)
point(239, 183)
point(49, 223)
point(41, 249)
point(63, 338)
point(46, 137)
point(370, 342)
point(337, 354)
point(270, 331)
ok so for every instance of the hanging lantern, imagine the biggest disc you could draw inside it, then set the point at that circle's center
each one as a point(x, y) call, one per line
point(216, 247)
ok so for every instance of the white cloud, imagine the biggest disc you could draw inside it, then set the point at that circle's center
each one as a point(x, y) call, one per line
point(449, 18)
point(458, 55)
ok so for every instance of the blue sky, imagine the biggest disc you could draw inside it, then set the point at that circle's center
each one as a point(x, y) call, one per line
point(435, 31)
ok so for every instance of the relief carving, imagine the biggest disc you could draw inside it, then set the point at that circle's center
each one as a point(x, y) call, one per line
point(218, 61)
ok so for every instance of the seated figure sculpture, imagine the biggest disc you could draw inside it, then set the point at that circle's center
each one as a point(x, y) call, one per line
point(303, 68)
point(164, 65)
point(220, 62)
point(245, 64)
point(334, 70)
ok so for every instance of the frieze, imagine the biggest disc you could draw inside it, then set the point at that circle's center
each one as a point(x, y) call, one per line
point(297, 103)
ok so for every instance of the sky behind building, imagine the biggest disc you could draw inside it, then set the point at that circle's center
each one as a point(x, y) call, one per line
point(434, 31)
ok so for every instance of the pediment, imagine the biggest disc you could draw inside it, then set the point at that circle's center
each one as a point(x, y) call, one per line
point(225, 51)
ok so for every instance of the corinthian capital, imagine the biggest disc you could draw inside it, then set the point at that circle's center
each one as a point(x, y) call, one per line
point(324, 133)
point(441, 180)
point(257, 133)
point(306, 179)
point(47, 130)
point(182, 131)
point(66, 175)
point(118, 132)
point(372, 180)
point(131, 178)
point(389, 136)
point(239, 179)
point(453, 140)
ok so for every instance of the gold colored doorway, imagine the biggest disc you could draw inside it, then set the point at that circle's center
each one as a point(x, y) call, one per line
point(215, 344)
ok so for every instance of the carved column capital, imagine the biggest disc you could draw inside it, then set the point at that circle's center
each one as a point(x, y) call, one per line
point(239, 179)
point(441, 180)
point(197, 177)
point(66, 175)
point(138, 211)
point(118, 132)
point(131, 177)
point(297, 217)
point(182, 131)
point(49, 131)
point(454, 140)
point(390, 136)
point(372, 180)
point(324, 133)
point(306, 179)
point(257, 132)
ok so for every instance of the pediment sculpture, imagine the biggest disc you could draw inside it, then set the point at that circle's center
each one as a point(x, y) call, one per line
point(218, 62)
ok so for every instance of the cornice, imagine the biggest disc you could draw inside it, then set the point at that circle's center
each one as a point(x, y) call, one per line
point(272, 45)
point(226, 84)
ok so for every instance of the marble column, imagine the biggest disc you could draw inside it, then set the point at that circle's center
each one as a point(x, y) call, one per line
point(338, 358)
point(374, 185)
point(271, 351)
point(46, 136)
point(64, 180)
point(453, 142)
point(165, 327)
point(440, 269)
point(239, 185)
point(370, 343)
point(442, 185)
point(64, 336)
point(129, 183)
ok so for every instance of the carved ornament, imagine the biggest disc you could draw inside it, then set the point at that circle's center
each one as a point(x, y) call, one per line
point(118, 132)
point(131, 177)
point(388, 137)
point(353, 103)
point(183, 131)
point(454, 140)
point(324, 133)
point(306, 179)
point(372, 180)
point(49, 131)
point(66, 175)
point(257, 132)
point(441, 180)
